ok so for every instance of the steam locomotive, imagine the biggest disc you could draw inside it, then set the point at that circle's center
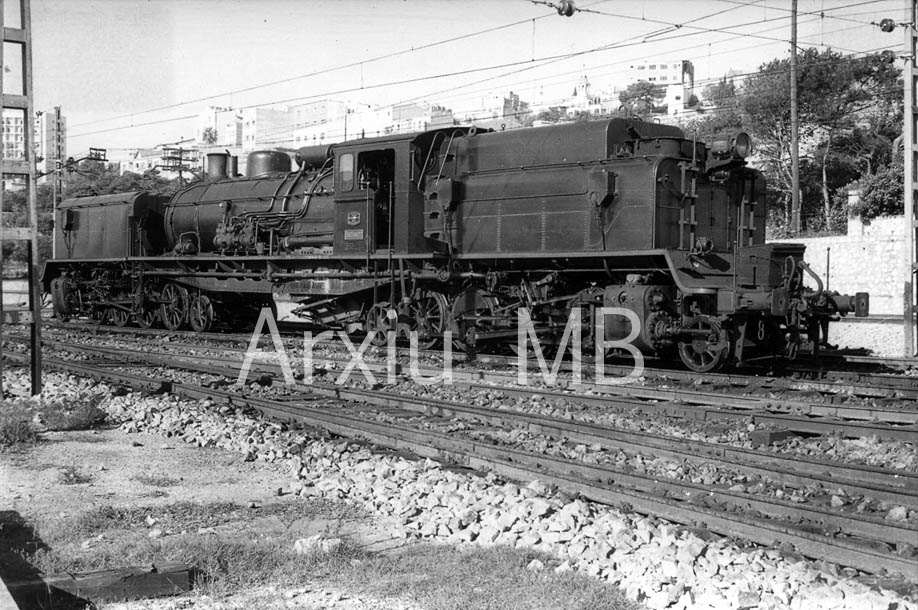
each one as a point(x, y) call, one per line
point(457, 229)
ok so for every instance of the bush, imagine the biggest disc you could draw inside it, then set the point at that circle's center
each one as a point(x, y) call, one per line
point(882, 193)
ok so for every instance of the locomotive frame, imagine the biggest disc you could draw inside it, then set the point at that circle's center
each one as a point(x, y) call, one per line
point(456, 229)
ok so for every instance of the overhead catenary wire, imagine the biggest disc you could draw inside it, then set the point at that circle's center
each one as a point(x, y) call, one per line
point(538, 63)
point(332, 69)
point(698, 83)
point(353, 64)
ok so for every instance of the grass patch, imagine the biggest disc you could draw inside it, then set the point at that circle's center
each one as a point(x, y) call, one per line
point(81, 414)
point(155, 480)
point(71, 475)
point(447, 578)
point(253, 547)
point(243, 547)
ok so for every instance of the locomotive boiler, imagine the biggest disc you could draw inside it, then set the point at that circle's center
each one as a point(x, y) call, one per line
point(457, 229)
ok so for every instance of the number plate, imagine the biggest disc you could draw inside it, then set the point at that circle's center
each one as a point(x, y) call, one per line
point(353, 234)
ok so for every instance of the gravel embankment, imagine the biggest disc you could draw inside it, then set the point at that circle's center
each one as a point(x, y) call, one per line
point(664, 565)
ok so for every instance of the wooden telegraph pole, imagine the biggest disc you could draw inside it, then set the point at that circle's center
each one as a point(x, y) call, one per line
point(795, 126)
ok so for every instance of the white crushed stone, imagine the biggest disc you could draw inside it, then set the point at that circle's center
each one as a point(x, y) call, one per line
point(653, 561)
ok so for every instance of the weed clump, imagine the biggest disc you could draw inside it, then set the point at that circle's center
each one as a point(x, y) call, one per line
point(21, 419)
point(15, 431)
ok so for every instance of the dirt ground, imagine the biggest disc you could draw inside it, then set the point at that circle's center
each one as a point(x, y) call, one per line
point(73, 473)
point(88, 500)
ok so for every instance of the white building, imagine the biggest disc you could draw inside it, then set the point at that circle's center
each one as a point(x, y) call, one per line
point(675, 75)
point(497, 110)
point(585, 99)
point(47, 141)
point(44, 134)
point(332, 121)
point(266, 128)
point(219, 127)
point(13, 134)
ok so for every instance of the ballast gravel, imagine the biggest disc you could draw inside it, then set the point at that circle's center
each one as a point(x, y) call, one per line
point(653, 561)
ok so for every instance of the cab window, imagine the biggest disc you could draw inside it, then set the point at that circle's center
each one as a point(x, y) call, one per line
point(346, 172)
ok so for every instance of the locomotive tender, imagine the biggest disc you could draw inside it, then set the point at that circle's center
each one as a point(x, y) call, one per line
point(456, 229)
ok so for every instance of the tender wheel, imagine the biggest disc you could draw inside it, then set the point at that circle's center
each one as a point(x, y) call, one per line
point(174, 310)
point(707, 351)
point(201, 313)
point(379, 323)
point(429, 318)
point(117, 317)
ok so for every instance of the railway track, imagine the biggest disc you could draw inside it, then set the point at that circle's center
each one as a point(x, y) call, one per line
point(867, 543)
point(833, 385)
point(687, 403)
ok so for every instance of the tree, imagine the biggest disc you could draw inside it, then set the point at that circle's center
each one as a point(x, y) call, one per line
point(836, 89)
point(638, 98)
point(719, 113)
point(835, 94)
point(209, 135)
point(16, 214)
point(720, 94)
point(99, 179)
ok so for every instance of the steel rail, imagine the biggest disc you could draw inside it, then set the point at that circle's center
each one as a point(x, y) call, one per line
point(675, 404)
point(595, 483)
point(693, 396)
point(827, 382)
point(882, 484)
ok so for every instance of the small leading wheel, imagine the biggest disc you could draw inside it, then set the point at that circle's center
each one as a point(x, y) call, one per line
point(201, 313)
point(174, 310)
point(118, 317)
point(708, 349)
point(429, 318)
point(379, 323)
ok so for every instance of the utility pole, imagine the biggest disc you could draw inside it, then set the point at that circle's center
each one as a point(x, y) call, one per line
point(910, 147)
point(174, 159)
point(909, 75)
point(57, 187)
point(795, 126)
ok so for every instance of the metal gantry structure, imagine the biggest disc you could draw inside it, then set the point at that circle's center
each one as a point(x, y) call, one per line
point(16, 96)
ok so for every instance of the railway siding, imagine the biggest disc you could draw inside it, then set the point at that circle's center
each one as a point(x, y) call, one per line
point(654, 561)
point(535, 465)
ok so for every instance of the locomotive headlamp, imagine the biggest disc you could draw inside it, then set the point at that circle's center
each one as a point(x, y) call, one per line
point(742, 145)
point(738, 146)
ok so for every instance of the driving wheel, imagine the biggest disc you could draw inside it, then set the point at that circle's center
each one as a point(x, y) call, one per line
point(379, 324)
point(117, 317)
point(201, 313)
point(429, 314)
point(174, 310)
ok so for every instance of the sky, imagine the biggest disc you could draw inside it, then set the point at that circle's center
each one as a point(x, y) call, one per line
point(130, 73)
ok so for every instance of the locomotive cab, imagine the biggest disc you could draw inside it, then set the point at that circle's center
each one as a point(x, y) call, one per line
point(379, 205)
point(365, 187)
